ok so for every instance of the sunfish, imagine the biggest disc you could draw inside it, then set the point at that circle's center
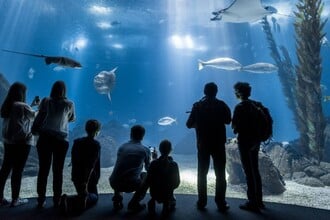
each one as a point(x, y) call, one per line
point(240, 11)
point(105, 81)
point(61, 61)
point(260, 68)
point(224, 63)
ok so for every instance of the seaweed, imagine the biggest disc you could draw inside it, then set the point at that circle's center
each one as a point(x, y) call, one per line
point(309, 32)
point(301, 83)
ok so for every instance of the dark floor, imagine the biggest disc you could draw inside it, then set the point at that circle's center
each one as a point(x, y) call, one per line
point(185, 210)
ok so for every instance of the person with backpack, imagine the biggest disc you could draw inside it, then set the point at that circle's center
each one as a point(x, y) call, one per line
point(209, 117)
point(16, 132)
point(246, 123)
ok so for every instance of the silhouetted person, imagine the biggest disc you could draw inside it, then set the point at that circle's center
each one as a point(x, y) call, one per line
point(162, 178)
point(53, 142)
point(209, 116)
point(85, 161)
point(244, 125)
point(127, 174)
point(16, 131)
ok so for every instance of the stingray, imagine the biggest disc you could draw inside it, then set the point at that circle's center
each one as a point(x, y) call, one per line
point(61, 61)
point(240, 11)
point(105, 81)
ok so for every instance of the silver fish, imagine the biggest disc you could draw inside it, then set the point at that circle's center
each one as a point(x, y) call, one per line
point(105, 81)
point(260, 68)
point(224, 63)
point(166, 121)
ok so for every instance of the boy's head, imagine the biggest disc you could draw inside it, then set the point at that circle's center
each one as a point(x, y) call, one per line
point(137, 132)
point(92, 127)
point(242, 90)
point(165, 147)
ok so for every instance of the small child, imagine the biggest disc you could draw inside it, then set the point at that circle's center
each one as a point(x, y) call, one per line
point(162, 178)
point(85, 160)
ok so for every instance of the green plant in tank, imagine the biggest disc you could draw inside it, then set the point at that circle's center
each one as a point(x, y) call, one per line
point(286, 71)
point(310, 118)
point(301, 84)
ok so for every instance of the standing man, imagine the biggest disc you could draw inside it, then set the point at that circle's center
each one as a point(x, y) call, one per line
point(245, 126)
point(209, 117)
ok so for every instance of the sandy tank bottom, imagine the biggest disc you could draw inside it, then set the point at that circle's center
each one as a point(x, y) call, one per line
point(297, 194)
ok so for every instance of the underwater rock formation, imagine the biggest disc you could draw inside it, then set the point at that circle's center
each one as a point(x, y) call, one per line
point(294, 166)
point(4, 87)
point(309, 33)
point(272, 181)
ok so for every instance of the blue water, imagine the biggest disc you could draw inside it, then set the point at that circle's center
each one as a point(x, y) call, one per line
point(156, 77)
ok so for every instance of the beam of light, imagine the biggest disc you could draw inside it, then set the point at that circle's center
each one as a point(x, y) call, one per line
point(76, 44)
point(186, 42)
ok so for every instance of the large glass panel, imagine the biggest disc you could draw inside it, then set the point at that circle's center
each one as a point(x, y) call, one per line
point(157, 51)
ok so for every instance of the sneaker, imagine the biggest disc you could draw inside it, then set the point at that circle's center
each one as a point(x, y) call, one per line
point(18, 202)
point(135, 207)
point(248, 206)
point(4, 202)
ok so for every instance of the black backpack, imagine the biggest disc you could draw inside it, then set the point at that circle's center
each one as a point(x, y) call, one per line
point(264, 122)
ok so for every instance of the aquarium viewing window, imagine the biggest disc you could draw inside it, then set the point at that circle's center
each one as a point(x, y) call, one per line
point(146, 62)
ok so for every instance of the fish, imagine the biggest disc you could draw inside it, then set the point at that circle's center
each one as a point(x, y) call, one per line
point(104, 82)
point(224, 63)
point(326, 98)
point(165, 121)
point(59, 60)
point(324, 42)
point(241, 11)
point(260, 68)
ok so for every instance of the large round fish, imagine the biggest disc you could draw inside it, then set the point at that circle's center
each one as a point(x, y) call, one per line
point(104, 82)
point(224, 63)
point(260, 68)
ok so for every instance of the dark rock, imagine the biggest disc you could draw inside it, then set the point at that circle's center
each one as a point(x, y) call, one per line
point(325, 166)
point(286, 159)
point(310, 181)
point(326, 156)
point(272, 180)
point(4, 87)
point(298, 175)
point(325, 179)
point(314, 171)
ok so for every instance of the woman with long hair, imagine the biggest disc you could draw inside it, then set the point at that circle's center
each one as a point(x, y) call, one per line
point(53, 142)
point(16, 131)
